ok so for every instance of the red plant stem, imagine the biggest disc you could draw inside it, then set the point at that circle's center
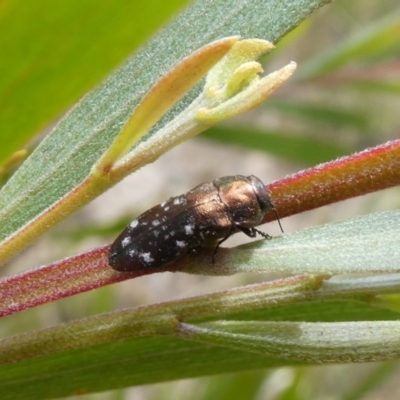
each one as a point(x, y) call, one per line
point(365, 172)
point(61, 279)
point(361, 173)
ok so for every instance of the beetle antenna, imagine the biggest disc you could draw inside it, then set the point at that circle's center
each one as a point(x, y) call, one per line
point(277, 216)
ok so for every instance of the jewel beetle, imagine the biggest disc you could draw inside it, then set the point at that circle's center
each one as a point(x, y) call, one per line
point(205, 216)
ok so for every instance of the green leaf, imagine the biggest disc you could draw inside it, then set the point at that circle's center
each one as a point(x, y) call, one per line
point(333, 342)
point(367, 245)
point(54, 52)
point(124, 363)
point(66, 369)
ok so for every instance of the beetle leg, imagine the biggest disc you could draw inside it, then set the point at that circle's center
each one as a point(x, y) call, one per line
point(263, 234)
point(252, 232)
point(231, 232)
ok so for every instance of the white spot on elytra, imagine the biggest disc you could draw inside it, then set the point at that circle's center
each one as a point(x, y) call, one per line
point(134, 224)
point(146, 257)
point(155, 222)
point(180, 243)
point(166, 208)
point(172, 233)
point(189, 229)
point(156, 233)
point(126, 241)
point(131, 252)
point(163, 204)
point(179, 200)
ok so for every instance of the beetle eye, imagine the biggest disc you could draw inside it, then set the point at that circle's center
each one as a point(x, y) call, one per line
point(261, 193)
